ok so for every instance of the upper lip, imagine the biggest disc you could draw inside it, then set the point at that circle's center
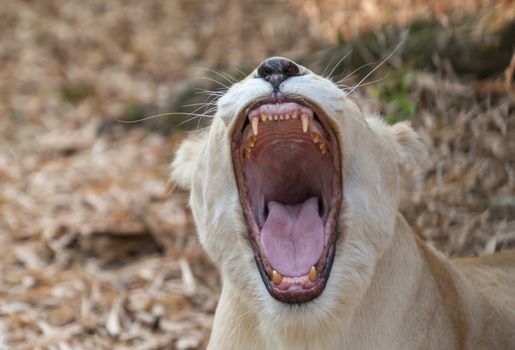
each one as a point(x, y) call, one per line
point(325, 262)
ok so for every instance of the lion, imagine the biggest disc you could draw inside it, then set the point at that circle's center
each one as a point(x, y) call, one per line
point(295, 193)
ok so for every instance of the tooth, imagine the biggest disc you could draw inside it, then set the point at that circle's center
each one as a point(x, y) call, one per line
point(324, 148)
point(294, 115)
point(263, 117)
point(246, 152)
point(276, 276)
point(251, 141)
point(287, 116)
point(276, 117)
point(281, 117)
point(255, 122)
point(270, 117)
point(313, 274)
point(305, 122)
point(315, 137)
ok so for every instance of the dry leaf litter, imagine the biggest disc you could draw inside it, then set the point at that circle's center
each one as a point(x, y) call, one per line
point(96, 250)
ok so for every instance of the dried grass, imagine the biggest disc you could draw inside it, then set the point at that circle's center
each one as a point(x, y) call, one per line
point(96, 251)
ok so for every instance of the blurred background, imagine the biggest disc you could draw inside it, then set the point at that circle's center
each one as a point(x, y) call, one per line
point(98, 251)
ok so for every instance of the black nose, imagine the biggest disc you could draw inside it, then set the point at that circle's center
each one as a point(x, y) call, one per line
point(275, 70)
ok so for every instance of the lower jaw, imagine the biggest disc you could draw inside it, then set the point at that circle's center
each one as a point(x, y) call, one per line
point(297, 294)
point(299, 289)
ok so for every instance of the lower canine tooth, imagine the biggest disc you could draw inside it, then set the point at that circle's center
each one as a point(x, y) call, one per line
point(324, 148)
point(251, 141)
point(277, 277)
point(315, 137)
point(255, 122)
point(313, 274)
point(305, 122)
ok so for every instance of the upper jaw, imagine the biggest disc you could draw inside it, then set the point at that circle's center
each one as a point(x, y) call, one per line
point(309, 284)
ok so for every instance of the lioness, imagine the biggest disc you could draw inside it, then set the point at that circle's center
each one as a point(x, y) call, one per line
point(295, 195)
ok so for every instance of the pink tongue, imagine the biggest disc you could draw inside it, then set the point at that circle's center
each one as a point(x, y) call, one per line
point(293, 237)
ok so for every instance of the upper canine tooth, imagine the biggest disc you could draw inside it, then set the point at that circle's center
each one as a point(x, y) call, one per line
point(276, 276)
point(312, 274)
point(263, 117)
point(315, 137)
point(305, 122)
point(255, 122)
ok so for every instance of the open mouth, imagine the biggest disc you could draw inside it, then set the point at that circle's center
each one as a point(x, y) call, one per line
point(287, 163)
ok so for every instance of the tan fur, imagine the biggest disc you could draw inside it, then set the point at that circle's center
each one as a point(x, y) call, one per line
point(387, 288)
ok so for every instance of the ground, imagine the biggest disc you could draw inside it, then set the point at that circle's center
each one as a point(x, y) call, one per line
point(98, 251)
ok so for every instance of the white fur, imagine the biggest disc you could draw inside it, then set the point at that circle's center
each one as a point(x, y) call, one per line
point(372, 152)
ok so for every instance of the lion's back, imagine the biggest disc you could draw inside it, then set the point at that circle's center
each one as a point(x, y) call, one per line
point(493, 275)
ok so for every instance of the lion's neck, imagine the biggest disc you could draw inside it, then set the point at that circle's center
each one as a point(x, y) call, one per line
point(404, 303)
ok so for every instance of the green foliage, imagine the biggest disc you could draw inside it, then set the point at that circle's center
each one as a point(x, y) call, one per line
point(340, 40)
point(134, 112)
point(76, 92)
point(395, 92)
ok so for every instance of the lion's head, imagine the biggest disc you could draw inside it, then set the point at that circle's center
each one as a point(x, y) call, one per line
point(295, 192)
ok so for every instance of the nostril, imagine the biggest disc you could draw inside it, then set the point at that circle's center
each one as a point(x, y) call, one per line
point(290, 69)
point(264, 71)
point(277, 69)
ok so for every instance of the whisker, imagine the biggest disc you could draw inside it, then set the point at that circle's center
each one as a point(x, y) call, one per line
point(208, 106)
point(161, 115)
point(198, 130)
point(233, 79)
point(226, 76)
point(210, 93)
point(382, 62)
point(327, 67)
point(190, 119)
point(205, 105)
point(338, 63)
point(243, 74)
point(198, 104)
point(213, 80)
point(367, 83)
point(353, 73)
point(315, 64)
point(198, 122)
